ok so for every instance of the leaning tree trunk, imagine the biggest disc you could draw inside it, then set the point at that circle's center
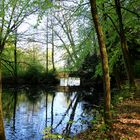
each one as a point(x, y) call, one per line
point(104, 59)
point(2, 134)
point(124, 47)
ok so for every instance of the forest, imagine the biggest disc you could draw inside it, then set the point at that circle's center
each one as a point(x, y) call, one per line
point(69, 69)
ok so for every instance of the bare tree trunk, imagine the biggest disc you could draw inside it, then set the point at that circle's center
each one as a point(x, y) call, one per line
point(104, 59)
point(2, 133)
point(124, 47)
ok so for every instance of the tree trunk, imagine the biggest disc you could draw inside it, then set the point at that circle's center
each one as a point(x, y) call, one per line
point(53, 66)
point(47, 46)
point(15, 58)
point(124, 47)
point(104, 59)
point(2, 134)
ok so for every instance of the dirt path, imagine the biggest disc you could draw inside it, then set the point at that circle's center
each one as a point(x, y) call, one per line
point(126, 125)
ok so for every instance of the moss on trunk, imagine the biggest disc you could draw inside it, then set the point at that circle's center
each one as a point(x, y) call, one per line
point(104, 59)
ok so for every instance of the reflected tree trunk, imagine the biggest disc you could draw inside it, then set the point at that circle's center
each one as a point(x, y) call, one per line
point(70, 122)
point(14, 112)
point(2, 133)
point(124, 46)
point(104, 59)
point(46, 108)
point(70, 106)
point(52, 111)
point(33, 109)
point(47, 37)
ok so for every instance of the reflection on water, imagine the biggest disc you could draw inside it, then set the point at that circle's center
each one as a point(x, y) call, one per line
point(28, 112)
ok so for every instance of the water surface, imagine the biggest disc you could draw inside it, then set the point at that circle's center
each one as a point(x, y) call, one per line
point(28, 111)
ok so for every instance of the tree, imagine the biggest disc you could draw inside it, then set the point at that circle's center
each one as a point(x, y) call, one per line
point(2, 134)
point(52, 41)
point(47, 42)
point(124, 46)
point(12, 14)
point(104, 59)
point(71, 32)
point(15, 58)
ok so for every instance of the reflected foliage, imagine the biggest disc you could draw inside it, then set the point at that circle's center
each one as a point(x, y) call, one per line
point(8, 104)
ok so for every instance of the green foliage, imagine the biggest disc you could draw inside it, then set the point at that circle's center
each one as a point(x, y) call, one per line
point(30, 68)
point(8, 104)
point(99, 126)
point(8, 61)
point(49, 78)
point(137, 68)
point(48, 134)
point(32, 75)
point(84, 42)
point(98, 71)
point(120, 96)
point(115, 58)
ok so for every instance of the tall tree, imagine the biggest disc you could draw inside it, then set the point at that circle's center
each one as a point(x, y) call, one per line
point(104, 59)
point(47, 37)
point(124, 46)
point(15, 58)
point(52, 41)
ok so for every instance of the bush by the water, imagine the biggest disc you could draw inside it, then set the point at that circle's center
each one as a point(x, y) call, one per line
point(35, 76)
point(32, 76)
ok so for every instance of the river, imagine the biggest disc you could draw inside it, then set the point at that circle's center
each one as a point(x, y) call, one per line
point(28, 111)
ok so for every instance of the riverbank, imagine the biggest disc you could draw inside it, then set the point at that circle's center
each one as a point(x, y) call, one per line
point(125, 123)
